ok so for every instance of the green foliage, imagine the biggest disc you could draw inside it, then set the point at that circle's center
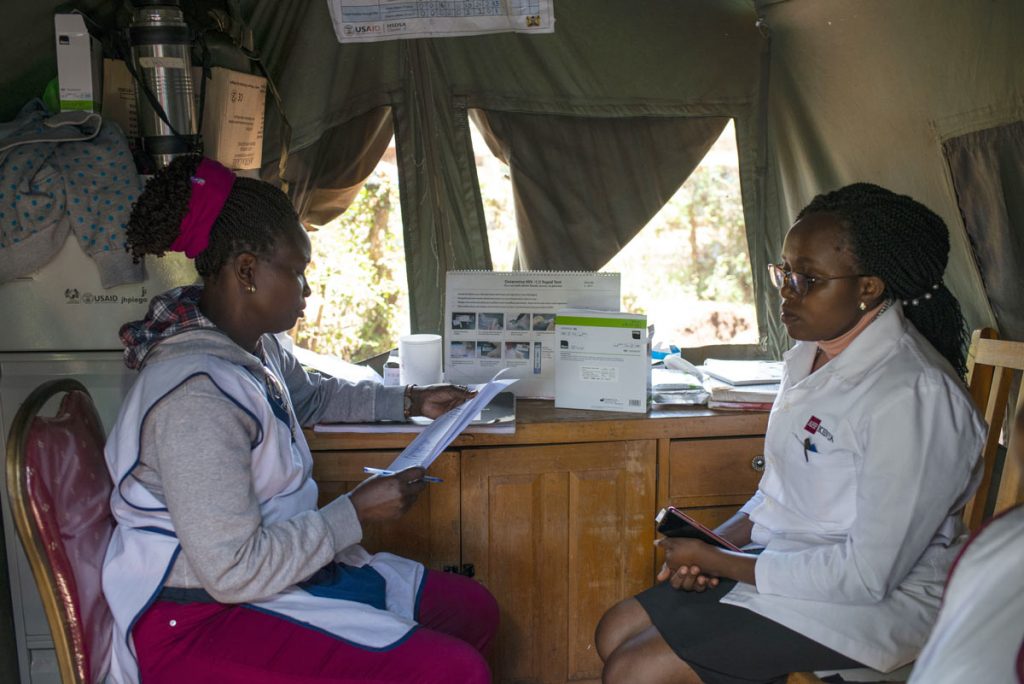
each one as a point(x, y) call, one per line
point(357, 275)
point(703, 228)
point(688, 269)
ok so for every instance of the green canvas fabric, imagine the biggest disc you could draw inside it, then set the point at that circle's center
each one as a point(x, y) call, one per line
point(868, 91)
point(640, 69)
point(987, 168)
point(583, 187)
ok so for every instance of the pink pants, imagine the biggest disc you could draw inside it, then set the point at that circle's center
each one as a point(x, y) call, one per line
point(213, 643)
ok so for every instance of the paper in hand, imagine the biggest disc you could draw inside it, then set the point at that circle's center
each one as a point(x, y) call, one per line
point(429, 444)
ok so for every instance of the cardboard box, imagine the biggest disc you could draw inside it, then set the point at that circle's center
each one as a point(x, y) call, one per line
point(79, 64)
point(119, 103)
point(602, 360)
point(233, 117)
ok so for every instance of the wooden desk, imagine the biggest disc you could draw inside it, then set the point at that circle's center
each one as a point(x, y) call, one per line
point(557, 520)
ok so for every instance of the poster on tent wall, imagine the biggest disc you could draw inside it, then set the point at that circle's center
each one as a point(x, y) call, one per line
point(506, 319)
point(367, 21)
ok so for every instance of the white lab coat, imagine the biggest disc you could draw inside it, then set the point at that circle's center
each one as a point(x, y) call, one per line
point(980, 633)
point(861, 530)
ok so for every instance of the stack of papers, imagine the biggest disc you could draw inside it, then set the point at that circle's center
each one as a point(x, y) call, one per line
point(722, 395)
point(676, 387)
point(742, 385)
point(744, 372)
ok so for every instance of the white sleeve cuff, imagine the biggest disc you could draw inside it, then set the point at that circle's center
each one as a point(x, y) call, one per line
point(770, 573)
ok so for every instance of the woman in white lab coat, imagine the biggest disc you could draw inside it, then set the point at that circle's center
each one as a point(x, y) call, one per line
point(870, 455)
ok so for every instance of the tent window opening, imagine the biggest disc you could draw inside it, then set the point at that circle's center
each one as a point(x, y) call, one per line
point(688, 268)
point(359, 304)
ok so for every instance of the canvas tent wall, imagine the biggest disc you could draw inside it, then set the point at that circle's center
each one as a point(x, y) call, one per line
point(616, 105)
point(824, 93)
point(582, 116)
point(911, 95)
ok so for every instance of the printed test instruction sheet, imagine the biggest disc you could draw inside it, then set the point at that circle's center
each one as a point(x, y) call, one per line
point(506, 319)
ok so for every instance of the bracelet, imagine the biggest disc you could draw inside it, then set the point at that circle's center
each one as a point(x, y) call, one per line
point(407, 402)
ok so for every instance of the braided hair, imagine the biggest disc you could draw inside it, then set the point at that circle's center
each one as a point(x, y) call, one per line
point(904, 243)
point(255, 215)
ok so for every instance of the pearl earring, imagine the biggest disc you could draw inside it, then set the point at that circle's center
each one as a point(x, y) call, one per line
point(863, 306)
point(250, 289)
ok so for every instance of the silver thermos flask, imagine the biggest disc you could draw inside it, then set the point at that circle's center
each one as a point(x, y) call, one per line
point(161, 54)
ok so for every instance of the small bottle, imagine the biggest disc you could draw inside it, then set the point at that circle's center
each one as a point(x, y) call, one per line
point(392, 368)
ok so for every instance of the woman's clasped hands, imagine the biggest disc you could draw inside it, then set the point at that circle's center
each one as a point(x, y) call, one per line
point(682, 566)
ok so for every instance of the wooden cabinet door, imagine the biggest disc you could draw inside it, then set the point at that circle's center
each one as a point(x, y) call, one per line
point(429, 532)
point(558, 534)
point(711, 478)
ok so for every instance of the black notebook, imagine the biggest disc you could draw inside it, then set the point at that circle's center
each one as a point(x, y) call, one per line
point(672, 522)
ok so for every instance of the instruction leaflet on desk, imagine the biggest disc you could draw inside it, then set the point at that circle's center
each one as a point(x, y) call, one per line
point(506, 319)
point(365, 21)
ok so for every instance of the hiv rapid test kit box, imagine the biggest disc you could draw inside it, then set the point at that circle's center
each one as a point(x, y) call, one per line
point(602, 360)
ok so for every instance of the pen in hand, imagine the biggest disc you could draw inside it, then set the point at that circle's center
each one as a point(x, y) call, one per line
point(384, 472)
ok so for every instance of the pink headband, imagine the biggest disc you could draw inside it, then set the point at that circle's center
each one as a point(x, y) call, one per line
point(211, 185)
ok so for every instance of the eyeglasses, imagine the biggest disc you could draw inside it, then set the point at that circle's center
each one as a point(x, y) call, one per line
point(800, 283)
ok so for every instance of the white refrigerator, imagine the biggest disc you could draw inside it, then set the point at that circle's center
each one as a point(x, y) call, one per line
point(60, 322)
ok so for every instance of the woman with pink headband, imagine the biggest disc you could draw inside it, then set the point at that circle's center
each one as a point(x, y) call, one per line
point(222, 568)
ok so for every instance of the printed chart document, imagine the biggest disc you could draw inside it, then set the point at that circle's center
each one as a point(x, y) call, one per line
point(423, 450)
point(365, 21)
point(496, 319)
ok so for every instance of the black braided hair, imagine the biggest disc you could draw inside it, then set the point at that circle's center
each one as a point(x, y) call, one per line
point(903, 242)
point(254, 216)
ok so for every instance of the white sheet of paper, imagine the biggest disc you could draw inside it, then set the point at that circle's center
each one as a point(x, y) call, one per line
point(429, 444)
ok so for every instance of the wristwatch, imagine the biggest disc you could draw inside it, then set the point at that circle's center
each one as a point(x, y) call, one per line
point(407, 402)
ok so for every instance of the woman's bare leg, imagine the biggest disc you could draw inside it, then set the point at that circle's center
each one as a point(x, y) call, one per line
point(620, 623)
point(646, 657)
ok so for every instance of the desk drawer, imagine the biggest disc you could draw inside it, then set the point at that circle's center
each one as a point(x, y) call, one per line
point(710, 472)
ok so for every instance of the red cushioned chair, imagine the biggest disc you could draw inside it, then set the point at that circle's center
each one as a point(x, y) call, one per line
point(59, 491)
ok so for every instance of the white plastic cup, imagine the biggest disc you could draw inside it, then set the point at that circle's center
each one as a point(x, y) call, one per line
point(421, 359)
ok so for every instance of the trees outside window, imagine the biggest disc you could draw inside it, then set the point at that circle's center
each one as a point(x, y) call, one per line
point(688, 269)
point(359, 302)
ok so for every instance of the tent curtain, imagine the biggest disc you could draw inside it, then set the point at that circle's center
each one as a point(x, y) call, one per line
point(580, 72)
point(620, 172)
point(324, 178)
point(987, 168)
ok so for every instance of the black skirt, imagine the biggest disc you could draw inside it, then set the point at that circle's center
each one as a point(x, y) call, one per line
point(726, 644)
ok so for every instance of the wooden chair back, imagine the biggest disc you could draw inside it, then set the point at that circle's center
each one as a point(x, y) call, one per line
point(992, 366)
point(59, 490)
